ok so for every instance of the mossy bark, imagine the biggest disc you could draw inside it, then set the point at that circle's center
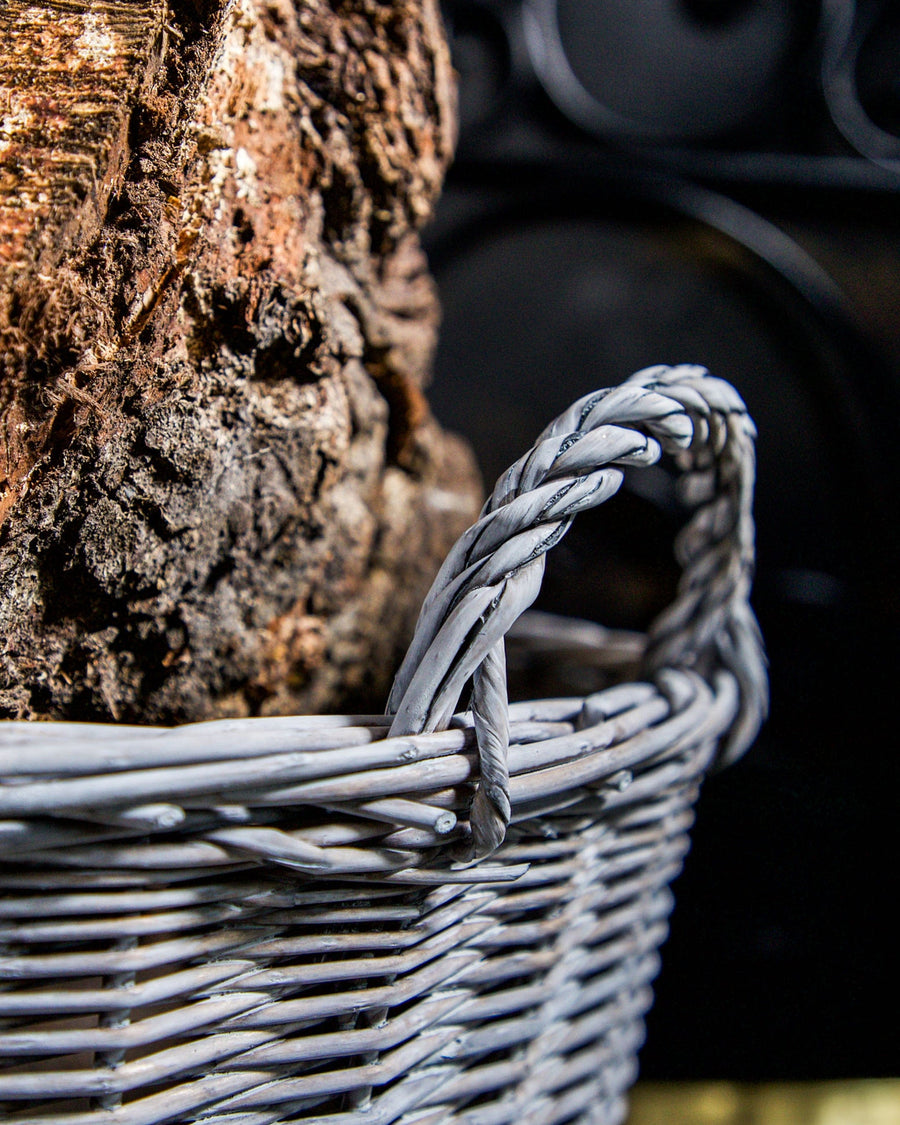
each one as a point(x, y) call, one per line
point(221, 489)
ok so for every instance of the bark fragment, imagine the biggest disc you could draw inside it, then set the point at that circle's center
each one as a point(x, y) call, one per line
point(221, 490)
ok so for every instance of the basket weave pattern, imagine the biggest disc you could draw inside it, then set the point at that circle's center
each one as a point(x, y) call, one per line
point(423, 917)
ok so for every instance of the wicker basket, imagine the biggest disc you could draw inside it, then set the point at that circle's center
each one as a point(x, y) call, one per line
point(423, 918)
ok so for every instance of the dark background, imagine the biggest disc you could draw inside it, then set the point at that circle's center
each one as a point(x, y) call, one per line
point(716, 182)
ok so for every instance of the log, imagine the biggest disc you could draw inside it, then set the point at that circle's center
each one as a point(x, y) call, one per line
point(221, 488)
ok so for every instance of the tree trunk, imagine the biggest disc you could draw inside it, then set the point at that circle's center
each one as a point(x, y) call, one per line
point(221, 490)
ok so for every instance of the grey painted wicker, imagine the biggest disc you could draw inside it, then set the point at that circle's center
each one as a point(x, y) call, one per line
point(319, 918)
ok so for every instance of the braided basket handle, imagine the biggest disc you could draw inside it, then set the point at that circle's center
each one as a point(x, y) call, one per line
point(494, 571)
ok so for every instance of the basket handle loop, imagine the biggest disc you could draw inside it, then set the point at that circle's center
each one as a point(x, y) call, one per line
point(494, 571)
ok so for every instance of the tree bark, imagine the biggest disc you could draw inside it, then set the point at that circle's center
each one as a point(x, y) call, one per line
point(221, 489)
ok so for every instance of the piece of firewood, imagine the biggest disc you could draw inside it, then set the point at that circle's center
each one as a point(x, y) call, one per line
point(221, 490)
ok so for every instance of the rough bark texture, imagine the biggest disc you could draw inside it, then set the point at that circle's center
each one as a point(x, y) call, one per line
point(221, 490)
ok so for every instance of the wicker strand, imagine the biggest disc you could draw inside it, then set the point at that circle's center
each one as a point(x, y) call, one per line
point(494, 571)
point(491, 808)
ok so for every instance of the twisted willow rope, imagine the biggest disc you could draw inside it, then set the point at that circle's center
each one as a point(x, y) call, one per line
point(494, 571)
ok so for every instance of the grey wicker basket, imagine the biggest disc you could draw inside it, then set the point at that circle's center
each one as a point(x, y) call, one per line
point(423, 918)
